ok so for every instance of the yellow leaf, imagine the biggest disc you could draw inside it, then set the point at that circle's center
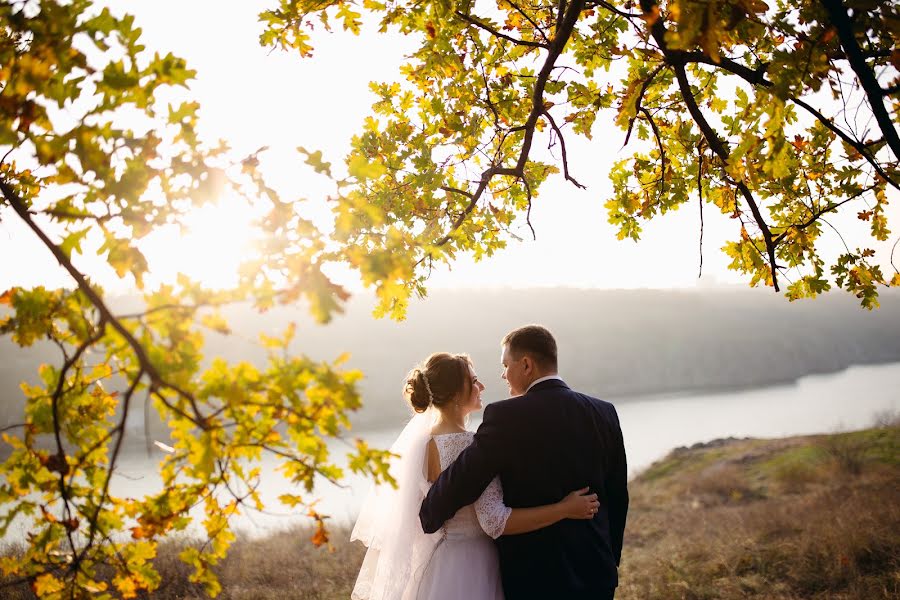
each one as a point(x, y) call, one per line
point(46, 585)
point(361, 168)
point(216, 322)
point(126, 586)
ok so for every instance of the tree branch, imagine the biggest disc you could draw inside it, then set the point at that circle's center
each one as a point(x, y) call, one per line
point(454, 190)
point(639, 100)
point(757, 77)
point(721, 150)
point(608, 6)
point(560, 14)
point(562, 145)
point(141, 354)
point(528, 211)
point(126, 402)
point(817, 214)
point(662, 150)
point(893, 248)
point(564, 31)
point(163, 307)
point(59, 463)
point(700, 198)
point(841, 21)
point(856, 145)
point(528, 18)
point(482, 25)
point(565, 27)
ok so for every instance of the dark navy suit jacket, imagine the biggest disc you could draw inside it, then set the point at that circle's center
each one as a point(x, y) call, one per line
point(543, 445)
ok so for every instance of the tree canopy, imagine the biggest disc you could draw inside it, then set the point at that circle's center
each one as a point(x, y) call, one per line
point(88, 149)
point(777, 116)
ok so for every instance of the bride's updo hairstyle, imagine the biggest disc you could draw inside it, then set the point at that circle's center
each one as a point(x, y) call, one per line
point(439, 381)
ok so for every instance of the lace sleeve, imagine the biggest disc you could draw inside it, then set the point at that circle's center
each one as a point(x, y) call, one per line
point(492, 513)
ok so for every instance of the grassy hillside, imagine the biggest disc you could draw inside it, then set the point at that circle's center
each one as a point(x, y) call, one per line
point(805, 517)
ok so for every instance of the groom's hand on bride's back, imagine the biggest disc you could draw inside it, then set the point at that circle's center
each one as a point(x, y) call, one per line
point(579, 504)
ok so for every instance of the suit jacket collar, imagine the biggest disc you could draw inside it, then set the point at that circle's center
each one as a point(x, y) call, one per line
point(547, 385)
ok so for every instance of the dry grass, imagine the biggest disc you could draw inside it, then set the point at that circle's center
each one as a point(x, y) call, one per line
point(811, 526)
point(285, 565)
point(739, 519)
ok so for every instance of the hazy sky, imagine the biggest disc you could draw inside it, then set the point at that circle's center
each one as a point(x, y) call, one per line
point(253, 97)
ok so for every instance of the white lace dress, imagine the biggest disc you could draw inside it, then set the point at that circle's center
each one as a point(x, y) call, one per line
point(464, 565)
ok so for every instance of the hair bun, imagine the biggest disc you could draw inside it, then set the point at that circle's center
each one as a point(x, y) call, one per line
point(441, 379)
point(417, 391)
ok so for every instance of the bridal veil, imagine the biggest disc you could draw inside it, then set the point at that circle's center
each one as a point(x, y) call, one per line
point(388, 523)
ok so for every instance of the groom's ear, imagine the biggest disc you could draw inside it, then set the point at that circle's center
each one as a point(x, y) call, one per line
point(527, 364)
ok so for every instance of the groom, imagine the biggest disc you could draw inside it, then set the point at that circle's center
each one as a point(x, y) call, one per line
point(544, 442)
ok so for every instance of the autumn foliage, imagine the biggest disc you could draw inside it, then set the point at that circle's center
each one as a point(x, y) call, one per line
point(738, 105)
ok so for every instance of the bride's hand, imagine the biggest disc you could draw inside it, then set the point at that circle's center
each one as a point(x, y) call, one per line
point(580, 505)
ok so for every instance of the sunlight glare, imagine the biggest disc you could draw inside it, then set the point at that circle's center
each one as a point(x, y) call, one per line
point(218, 237)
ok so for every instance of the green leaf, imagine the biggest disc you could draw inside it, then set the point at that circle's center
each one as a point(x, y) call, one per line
point(72, 242)
point(361, 168)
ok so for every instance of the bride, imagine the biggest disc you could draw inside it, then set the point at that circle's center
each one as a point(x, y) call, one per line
point(459, 561)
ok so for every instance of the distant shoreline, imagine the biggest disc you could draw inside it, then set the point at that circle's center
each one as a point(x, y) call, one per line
point(362, 426)
point(726, 389)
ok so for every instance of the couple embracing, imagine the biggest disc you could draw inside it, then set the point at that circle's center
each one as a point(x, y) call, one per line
point(532, 505)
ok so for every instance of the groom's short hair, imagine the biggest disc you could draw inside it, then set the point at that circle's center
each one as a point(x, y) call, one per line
point(535, 341)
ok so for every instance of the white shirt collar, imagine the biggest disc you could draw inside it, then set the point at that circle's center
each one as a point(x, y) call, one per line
point(539, 380)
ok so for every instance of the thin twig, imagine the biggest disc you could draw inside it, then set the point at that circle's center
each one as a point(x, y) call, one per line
point(61, 465)
point(893, 248)
point(163, 307)
point(482, 25)
point(528, 211)
point(817, 214)
point(454, 190)
point(856, 145)
point(618, 11)
point(528, 18)
point(8, 152)
point(562, 145)
point(700, 203)
point(662, 150)
point(639, 100)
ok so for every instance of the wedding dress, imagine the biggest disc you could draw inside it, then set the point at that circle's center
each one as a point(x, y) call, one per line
point(464, 565)
point(459, 561)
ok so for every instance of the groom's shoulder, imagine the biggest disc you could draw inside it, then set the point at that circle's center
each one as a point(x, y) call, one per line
point(505, 410)
point(608, 409)
point(601, 405)
point(500, 406)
